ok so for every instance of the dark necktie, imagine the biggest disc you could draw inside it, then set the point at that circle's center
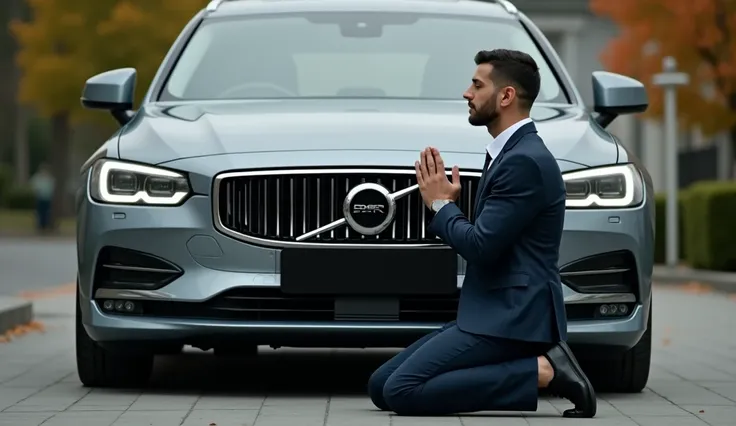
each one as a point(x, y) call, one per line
point(483, 175)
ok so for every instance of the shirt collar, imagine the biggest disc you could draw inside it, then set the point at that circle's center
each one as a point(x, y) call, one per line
point(496, 146)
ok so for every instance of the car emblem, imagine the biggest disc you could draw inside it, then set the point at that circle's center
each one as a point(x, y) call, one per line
point(369, 208)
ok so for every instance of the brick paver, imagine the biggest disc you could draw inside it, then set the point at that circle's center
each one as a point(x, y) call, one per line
point(693, 382)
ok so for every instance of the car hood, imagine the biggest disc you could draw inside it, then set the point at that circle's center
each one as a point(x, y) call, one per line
point(165, 132)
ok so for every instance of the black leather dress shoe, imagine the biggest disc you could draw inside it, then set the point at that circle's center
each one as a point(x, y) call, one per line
point(571, 383)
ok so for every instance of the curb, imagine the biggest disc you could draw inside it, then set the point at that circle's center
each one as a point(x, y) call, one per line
point(14, 311)
point(724, 282)
point(29, 236)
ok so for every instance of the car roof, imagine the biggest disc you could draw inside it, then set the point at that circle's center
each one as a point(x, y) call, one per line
point(486, 8)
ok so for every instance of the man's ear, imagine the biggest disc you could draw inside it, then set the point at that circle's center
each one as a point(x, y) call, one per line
point(508, 94)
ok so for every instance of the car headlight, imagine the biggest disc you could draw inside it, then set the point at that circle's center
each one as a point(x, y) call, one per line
point(127, 183)
point(604, 187)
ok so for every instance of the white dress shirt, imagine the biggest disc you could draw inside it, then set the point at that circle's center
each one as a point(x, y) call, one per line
point(496, 146)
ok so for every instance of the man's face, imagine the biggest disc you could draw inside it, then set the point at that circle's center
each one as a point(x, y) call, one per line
point(482, 97)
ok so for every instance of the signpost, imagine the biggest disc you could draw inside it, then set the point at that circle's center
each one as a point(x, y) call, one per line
point(669, 79)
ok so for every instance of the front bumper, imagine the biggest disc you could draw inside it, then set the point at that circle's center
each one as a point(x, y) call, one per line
point(214, 264)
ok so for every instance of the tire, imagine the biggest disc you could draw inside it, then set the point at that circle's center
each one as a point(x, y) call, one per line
point(99, 367)
point(627, 372)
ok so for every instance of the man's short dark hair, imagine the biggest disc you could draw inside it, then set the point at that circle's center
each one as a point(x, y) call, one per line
point(513, 68)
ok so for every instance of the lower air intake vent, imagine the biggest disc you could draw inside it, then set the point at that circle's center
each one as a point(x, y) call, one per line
point(130, 269)
point(613, 272)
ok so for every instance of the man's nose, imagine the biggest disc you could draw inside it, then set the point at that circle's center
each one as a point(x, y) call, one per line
point(468, 96)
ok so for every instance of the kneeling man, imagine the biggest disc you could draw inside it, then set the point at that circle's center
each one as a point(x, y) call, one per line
point(509, 337)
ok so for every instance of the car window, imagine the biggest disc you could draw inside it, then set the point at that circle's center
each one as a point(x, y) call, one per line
point(332, 55)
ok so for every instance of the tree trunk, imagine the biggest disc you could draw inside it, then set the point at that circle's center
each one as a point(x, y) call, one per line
point(9, 74)
point(732, 134)
point(60, 146)
point(20, 138)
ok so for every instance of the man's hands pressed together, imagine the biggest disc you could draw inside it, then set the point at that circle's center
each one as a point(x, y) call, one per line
point(432, 180)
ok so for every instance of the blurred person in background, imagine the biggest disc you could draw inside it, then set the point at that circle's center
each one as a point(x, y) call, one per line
point(43, 185)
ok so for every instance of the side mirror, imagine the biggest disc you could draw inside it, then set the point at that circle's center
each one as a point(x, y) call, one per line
point(615, 94)
point(113, 91)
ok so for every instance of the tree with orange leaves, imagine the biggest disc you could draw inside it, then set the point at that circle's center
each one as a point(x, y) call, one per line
point(67, 41)
point(700, 34)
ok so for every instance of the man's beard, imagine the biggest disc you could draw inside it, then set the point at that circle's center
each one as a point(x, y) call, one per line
point(485, 116)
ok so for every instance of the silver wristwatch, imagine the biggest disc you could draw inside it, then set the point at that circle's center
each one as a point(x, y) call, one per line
point(438, 204)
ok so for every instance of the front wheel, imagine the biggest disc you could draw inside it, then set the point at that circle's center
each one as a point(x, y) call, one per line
point(99, 367)
point(627, 372)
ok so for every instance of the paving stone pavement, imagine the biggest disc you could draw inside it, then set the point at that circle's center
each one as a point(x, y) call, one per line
point(693, 381)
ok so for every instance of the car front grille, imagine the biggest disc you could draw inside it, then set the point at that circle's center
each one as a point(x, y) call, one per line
point(279, 206)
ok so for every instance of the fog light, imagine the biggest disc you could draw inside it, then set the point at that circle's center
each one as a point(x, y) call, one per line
point(613, 310)
point(122, 306)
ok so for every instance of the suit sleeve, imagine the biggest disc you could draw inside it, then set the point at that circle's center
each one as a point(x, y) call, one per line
point(516, 197)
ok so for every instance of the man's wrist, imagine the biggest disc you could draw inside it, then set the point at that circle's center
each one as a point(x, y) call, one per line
point(437, 205)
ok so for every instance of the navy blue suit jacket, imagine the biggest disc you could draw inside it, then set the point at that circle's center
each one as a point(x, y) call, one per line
point(512, 283)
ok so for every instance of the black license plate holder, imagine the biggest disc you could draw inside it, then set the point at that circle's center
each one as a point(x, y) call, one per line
point(368, 272)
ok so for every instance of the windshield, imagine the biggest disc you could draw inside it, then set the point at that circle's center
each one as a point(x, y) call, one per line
point(335, 55)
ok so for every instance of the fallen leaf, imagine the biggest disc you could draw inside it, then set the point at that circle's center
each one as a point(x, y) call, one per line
point(695, 287)
point(21, 330)
point(65, 289)
point(701, 411)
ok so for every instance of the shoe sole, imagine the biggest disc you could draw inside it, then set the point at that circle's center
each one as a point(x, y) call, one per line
point(592, 401)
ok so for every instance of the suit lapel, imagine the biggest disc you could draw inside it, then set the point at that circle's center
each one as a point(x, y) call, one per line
point(488, 171)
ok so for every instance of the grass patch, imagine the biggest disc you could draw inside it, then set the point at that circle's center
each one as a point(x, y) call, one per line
point(23, 222)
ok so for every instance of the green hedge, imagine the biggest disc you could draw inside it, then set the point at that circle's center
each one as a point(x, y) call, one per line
point(19, 198)
point(660, 227)
point(710, 225)
point(6, 181)
point(14, 197)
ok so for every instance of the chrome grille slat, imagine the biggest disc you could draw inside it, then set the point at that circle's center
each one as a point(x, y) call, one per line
point(332, 205)
point(408, 212)
point(304, 205)
point(347, 189)
point(291, 206)
point(319, 202)
point(393, 226)
point(265, 205)
point(259, 206)
point(278, 205)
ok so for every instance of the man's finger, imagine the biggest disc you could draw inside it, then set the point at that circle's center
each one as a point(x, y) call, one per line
point(439, 161)
point(430, 162)
point(456, 175)
point(423, 161)
point(420, 179)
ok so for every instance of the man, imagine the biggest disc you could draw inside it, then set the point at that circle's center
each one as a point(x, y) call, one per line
point(509, 337)
point(43, 188)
